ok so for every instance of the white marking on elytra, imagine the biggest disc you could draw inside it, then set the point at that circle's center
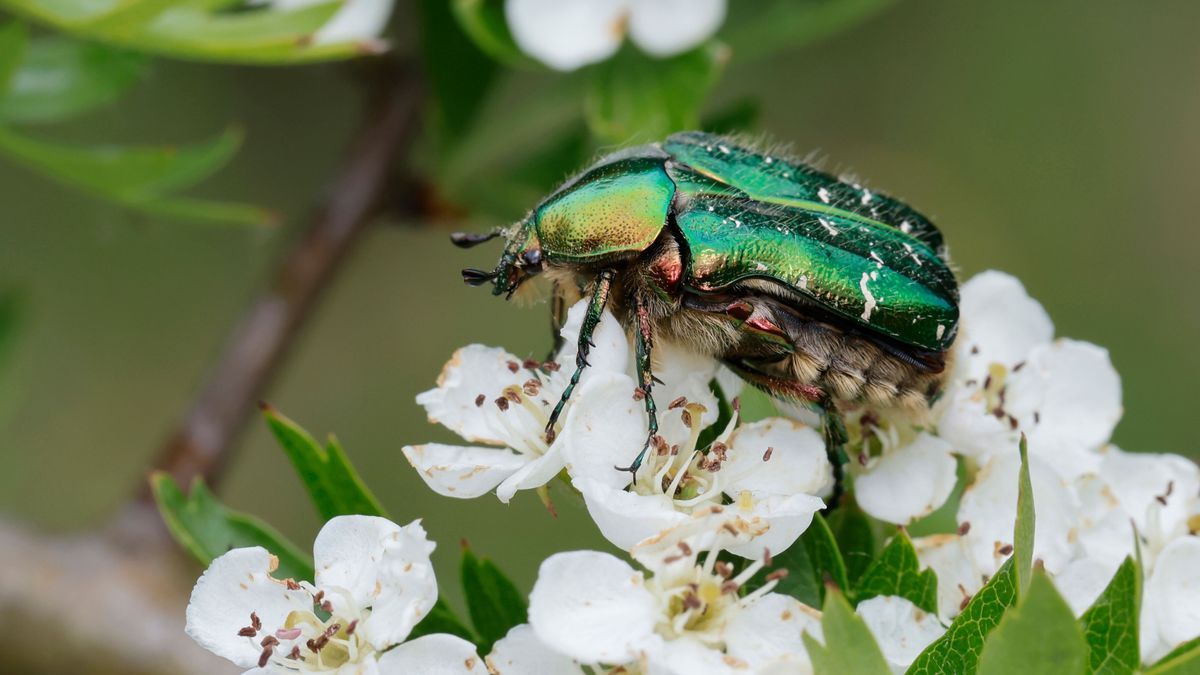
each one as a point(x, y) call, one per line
point(866, 197)
point(940, 331)
point(823, 194)
point(913, 255)
point(906, 227)
point(804, 282)
point(724, 149)
point(833, 231)
point(878, 261)
point(870, 307)
point(769, 160)
point(759, 267)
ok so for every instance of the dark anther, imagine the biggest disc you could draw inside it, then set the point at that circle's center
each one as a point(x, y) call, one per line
point(248, 631)
point(683, 546)
point(723, 568)
point(638, 394)
point(269, 641)
point(530, 364)
point(327, 606)
point(767, 559)
point(292, 585)
point(479, 400)
point(476, 277)
point(964, 528)
point(778, 574)
point(677, 403)
point(551, 366)
point(353, 625)
point(295, 654)
point(502, 403)
point(332, 630)
point(255, 621)
point(729, 587)
point(265, 656)
point(469, 239)
point(767, 454)
point(687, 418)
point(512, 366)
point(1005, 549)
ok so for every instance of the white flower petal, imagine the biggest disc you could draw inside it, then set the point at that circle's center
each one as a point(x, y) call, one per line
point(668, 27)
point(1106, 529)
point(626, 518)
point(1083, 580)
point(683, 373)
point(472, 371)
point(909, 482)
point(604, 428)
point(381, 566)
point(520, 652)
point(234, 585)
point(797, 462)
point(686, 656)
point(965, 422)
point(1173, 592)
point(901, 629)
point(786, 518)
point(731, 384)
point(533, 474)
point(464, 472)
point(567, 34)
point(436, 654)
point(611, 350)
point(990, 506)
point(1000, 324)
point(958, 575)
point(356, 21)
point(592, 607)
point(1168, 485)
point(770, 629)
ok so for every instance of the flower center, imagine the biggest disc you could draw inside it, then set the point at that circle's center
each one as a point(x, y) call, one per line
point(682, 472)
point(308, 643)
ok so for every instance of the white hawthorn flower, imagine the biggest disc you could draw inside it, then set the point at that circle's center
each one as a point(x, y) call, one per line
point(489, 396)
point(770, 470)
point(901, 629)
point(908, 480)
point(374, 583)
point(1171, 603)
point(356, 21)
point(685, 616)
point(568, 34)
point(959, 577)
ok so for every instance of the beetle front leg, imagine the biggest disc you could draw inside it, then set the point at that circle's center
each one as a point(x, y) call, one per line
point(595, 310)
point(834, 429)
point(644, 341)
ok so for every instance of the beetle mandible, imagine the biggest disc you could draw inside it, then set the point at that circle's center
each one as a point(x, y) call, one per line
point(809, 287)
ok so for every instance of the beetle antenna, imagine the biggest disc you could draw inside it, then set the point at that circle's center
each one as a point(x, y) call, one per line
point(470, 239)
point(476, 277)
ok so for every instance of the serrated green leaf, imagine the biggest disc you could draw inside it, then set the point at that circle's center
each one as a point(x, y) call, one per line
point(137, 178)
point(789, 24)
point(59, 78)
point(824, 554)
point(14, 38)
point(898, 572)
point(958, 650)
point(493, 601)
point(810, 562)
point(636, 97)
point(332, 483)
point(207, 529)
point(855, 536)
point(1038, 637)
point(485, 23)
point(1183, 660)
point(1110, 625)
point(442, 620)
point(848, 645)
point(1026, 522)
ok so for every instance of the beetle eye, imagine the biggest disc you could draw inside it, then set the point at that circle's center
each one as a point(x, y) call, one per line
point(533, 257)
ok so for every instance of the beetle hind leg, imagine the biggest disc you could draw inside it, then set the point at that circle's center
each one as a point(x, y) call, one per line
point(644, 338)
point(595, 310)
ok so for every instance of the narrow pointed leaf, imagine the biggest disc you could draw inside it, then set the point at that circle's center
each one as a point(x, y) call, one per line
point(493, 600)
point(1183, 660)
point(207, 529)
point(441, 619)
point(59, 78)
point(898, 572)
point(1026, 523)
point(332, 483)
point(1110, 625)
point(1038, 637)
point(848, 645)
point(958, 650)
point(13, 40)
point(856, 537)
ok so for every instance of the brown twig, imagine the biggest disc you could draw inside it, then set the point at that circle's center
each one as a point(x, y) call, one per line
point(199, 446)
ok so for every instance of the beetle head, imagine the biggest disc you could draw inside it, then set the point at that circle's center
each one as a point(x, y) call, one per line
point(522, 257)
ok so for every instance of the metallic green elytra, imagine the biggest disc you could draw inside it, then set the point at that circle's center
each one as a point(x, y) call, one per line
point(808, 286)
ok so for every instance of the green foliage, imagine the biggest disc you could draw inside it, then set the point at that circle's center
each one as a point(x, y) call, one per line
point(457, 71)
point(332, 483)
point(1023, 528)
point(1183, 660)
point(225, 32)
point(55, 78)
point(793, 24)
point(1110, 625)
point(755, 405)
point(1038, 637)
point(13, 39)
point(849, 646)
point(724, 414)
point(897, 572)
point(207, 529)
point(485, 23)
point(812, 562)
point(12, 310)
point(855, 535)
point(493, 601)
point(441, 619)
point(637, 98)
point(140, 178)
point(959, 649)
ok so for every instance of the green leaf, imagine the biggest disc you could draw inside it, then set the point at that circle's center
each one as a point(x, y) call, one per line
point(332, 483)
point(441, 619)
point(792, 24)
point(459, 73)
point(1183, 660)
point(1110, 625)
point(755, 404)
point(724, 414)
point(1038, 637)
point(207, 529)
point(137, 178)
point(1025, 525)
point(898, 572)
point(494, 603)
point(59, 78)
point(12, 309)
point(634, 97)
point(958, 650)
point(485, 23)
point(810, 562)
point(14, 38)
point(849, 646)
point(855, 535)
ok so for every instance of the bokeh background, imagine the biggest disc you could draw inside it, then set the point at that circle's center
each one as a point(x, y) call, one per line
point(1056, 141)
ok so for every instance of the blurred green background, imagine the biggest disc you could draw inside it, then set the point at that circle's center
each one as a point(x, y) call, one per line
point(1057, 141)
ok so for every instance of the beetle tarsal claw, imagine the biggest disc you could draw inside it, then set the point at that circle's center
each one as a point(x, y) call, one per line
point(476, 277)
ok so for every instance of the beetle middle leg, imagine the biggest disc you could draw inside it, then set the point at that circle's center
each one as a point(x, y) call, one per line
point(595, 310)
point(644, 342)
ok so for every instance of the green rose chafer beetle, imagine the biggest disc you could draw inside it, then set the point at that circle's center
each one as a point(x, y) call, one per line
point(809, 287)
